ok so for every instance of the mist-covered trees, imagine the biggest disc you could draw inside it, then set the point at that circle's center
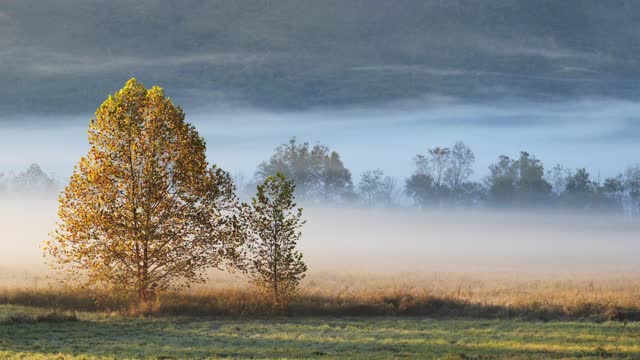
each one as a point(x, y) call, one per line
point(441, 176)
point(273, 223)
point(518, 181)
point(31, 181)
point(374, 188)
point(631, 184)
point(143, 210)
point(613, 190)
point(460, 168)
point(317, 172)
point(557, 177)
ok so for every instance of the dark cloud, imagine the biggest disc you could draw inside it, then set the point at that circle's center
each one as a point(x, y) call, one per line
point(66, 56)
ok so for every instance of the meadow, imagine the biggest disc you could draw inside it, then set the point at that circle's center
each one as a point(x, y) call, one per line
point(413, 315)
point(100, 336)
point(381, 284)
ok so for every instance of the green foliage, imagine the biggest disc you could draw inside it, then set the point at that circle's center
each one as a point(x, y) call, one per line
point(317, 172)
point(421, 188)
point(272, 261)
point(518, 181)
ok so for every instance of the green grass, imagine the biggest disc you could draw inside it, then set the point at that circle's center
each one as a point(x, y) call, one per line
point(101, 336)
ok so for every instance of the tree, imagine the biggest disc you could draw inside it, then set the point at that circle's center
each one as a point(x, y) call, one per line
point(273, 263)
point(375, 188)
point(632, 180)
point(443, 172)
point(580, 182)
point(461, 160)
point(431, 173)
point(532, 188)
point(421, 188)
point(32, 180)
point(143, 211)
point(557, 177)
point(336, 178)
point(611, 192)
point(388, 191)
point(501, 182)
point(614, 187)
point(580, 189)
point(518, 181)
point(370, 185)
point(3, 182)
point(437, 161)
point(632, 186)
point(317, 172)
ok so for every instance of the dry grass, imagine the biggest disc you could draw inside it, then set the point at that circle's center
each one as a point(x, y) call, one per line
point(504, 296)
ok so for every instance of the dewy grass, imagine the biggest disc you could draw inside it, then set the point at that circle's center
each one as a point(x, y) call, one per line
point(443, 316)
point(97, 336)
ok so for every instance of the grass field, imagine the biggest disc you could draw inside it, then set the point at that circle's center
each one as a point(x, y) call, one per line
point(438, 316)
point(99, 336)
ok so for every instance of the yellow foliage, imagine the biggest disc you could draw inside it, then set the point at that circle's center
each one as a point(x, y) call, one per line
point(144, 211)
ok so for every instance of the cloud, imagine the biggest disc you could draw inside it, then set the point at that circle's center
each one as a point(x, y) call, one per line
point(4, 17)
point(53, 62)
point(291, 55)
point(542, 47)
point(413, 69)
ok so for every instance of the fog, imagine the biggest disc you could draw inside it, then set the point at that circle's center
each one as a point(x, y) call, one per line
point(405, 240)
point(339, 240)
point(597, 134)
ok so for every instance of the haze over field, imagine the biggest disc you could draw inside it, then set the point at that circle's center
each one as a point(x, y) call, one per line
point(397, 241)
point(375, 81)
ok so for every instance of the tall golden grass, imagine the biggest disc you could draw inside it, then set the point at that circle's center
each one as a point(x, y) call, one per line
point(524, 296)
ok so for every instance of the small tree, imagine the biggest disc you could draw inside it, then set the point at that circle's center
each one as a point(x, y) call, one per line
point(370, 186)
point(272, 262)
point(144, 211)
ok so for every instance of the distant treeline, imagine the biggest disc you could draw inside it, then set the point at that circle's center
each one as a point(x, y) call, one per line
point(30, 181)
point(442, 177)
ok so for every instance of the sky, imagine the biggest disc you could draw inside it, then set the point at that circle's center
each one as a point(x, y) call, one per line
point(377, 81)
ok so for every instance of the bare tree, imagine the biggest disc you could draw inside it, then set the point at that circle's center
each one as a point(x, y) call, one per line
point(461, 161)
point(375, 188)
point(370, 185)
point(439, 162)
point(632, 186)
point(388, 191)
point(557, 177)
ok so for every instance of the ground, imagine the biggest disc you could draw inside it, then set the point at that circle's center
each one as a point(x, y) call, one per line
point(99, 336)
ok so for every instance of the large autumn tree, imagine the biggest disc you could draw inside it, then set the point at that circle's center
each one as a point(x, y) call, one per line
point(144, 211)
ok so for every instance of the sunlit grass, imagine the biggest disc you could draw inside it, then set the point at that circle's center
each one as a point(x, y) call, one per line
point(102, 336)
point(346, 316)
point(601, 298)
